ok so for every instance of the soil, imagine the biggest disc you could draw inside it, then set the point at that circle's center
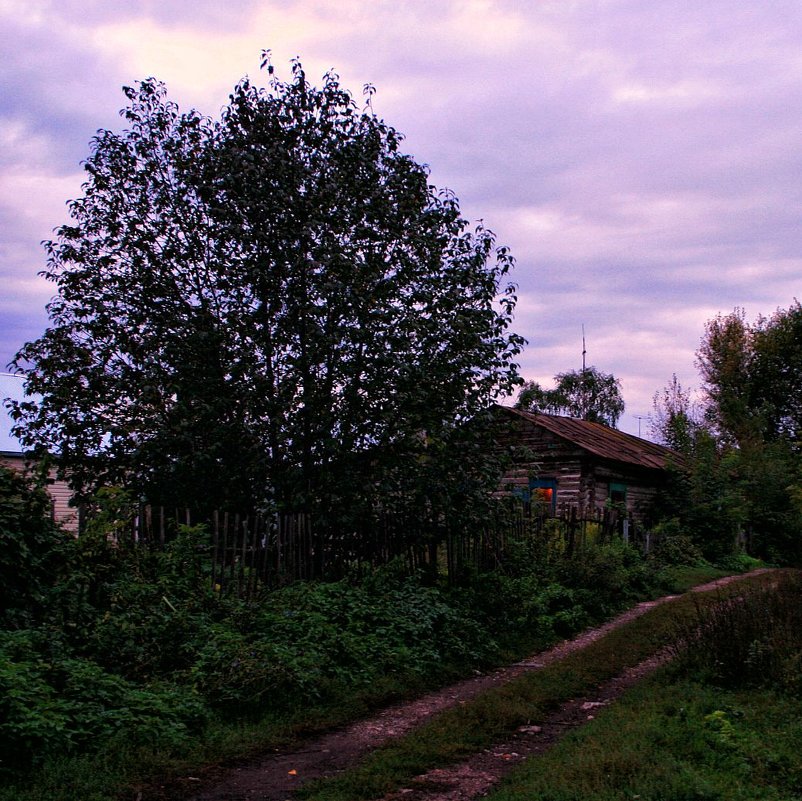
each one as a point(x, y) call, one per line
point(275, 776)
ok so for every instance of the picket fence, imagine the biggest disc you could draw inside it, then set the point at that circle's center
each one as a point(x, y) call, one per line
point(248, 552)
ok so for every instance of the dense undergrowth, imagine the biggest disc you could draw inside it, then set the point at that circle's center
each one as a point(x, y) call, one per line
point(131, 659)
point(719, 724)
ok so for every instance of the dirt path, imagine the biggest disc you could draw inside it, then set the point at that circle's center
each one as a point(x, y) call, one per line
point(274, 777)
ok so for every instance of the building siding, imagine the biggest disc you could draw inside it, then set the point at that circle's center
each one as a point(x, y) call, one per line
point(583, 479)
point(59, 491)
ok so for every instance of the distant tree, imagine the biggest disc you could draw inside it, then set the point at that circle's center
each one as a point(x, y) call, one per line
point(742, 476)
point(752, 376)
point(724, 362)
point(276, 308)
point(776, 374)
point(676, 419)
point(589, 394)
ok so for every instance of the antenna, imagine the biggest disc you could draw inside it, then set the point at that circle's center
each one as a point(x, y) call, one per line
point(584, 393)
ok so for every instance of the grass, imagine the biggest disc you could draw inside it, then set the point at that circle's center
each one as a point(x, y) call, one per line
point(672, 739)
point(463, 730)
point(681, 578)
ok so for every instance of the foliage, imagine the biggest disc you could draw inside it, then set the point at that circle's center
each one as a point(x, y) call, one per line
point(728, 498)
point(272, 308)
point(673, 545)
point(676, 421)
point(495, 716)
point(30, 548)
point(752, 375)
point(52, 704)
point(311, 640)
point(752, 640)
point(723, 360)
point(589, 394)
point(136, 662)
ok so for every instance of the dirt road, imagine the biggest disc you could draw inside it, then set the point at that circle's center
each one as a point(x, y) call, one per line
point(276, 776)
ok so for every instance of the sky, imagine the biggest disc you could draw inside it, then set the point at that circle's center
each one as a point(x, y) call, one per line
point(641, 159)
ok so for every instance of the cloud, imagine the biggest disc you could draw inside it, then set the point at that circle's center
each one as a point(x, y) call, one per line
point(640, 158)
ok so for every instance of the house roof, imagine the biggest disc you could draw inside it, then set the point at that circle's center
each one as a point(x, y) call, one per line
point(603, 441)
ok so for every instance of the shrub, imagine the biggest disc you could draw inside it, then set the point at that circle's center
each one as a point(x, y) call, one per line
point(673, 545)
point(606, 577)
point(312, 639)
point(31, 549)
point(52, 705)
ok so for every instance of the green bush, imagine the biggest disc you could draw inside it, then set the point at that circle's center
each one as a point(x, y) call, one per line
point(53, 705)
point(311, 639)
point(31, 549)
point(606, 577)
point(673, 545)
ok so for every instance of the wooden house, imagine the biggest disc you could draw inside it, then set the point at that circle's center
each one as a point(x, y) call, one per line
point(563, 461)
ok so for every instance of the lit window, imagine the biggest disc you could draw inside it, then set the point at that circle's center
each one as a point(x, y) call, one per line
point(544, 492)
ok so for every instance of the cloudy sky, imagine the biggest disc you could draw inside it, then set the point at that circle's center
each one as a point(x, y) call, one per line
point(642, 159)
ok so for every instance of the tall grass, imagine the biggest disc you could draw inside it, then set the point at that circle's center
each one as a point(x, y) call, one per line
point(721, 723)
point(753, 639)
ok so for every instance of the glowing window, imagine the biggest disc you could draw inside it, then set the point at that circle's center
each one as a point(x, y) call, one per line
point(544, 492)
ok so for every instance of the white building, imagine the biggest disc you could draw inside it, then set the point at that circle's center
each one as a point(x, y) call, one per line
point(11, 454)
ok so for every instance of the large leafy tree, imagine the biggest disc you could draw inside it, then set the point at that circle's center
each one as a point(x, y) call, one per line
point(752, 376)
point(272, 308)
point(744, 467)
point(589, 394)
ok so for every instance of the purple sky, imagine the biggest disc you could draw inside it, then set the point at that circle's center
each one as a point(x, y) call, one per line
point(642, 159)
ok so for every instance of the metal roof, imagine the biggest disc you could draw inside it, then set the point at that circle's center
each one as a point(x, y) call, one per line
point(603, 441)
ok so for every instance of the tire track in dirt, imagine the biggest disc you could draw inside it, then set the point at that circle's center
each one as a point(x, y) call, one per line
point(475, 776)
point(275, 777)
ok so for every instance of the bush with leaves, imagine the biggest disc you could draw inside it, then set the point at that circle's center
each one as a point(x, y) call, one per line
point(31, 549)
point(312, 639)
point(673, 545)
point(52, 704)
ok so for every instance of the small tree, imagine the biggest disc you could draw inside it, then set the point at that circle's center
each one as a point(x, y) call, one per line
point(589, 394)
point(724, 362)
point(676, 420)
point(275, 309)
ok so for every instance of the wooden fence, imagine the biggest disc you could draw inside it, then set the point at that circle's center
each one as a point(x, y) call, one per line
point(245, 552)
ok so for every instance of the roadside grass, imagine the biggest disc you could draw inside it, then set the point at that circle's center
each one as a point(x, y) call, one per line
point(673, 739)
point(458, 732)
point(681, 578)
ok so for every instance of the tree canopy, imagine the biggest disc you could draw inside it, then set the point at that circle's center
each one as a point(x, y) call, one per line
point(743, 481)
point(676, 419)
point(588, 394)
point(274, 308)
point(752, 375)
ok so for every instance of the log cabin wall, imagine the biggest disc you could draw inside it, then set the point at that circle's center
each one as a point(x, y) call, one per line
point(582, 478)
